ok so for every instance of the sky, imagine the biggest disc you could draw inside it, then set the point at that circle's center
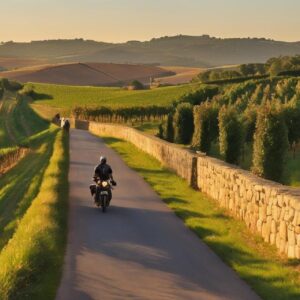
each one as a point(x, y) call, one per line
point(123, 20)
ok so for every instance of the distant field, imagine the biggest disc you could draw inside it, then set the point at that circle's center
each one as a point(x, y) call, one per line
point(95, 74)
point(183, 75)
point(14, 62)
point(66, 97)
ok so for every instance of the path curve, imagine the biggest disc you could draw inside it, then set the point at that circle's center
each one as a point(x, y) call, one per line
point(139, 249)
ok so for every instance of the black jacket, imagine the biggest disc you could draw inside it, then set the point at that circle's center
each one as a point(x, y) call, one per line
point(103, 171)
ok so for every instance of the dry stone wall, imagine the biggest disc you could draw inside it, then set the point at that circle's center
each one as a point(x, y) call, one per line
point(174, 157)
point(268, 208)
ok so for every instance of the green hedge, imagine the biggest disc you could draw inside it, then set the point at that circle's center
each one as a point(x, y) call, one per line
point(270, 143)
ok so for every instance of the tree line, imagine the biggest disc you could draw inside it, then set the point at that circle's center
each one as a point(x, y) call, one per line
point(263, 114)
point(276, 66)
point(121, 114)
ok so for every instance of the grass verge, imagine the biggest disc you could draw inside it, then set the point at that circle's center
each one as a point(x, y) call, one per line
point(31, 261)
point(270, 275)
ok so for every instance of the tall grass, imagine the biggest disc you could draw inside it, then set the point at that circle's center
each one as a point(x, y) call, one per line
point(31, 261)
point(10, 156)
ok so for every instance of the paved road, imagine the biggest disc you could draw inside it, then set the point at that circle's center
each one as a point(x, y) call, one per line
point(139, 249)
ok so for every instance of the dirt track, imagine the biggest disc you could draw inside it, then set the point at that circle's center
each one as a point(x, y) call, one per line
point(139, 249)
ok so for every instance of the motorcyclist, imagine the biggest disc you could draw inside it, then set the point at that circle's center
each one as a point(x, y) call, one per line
point(103, 172)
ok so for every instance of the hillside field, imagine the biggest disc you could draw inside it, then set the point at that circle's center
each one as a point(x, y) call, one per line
point(61, 97)
point(95, 74)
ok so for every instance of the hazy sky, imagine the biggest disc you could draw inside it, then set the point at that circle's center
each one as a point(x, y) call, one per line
point(122, 20)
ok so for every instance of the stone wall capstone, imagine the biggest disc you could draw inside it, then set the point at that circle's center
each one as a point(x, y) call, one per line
point(268, 208)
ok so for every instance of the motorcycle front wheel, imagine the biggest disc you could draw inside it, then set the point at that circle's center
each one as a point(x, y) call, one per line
point(104, 203)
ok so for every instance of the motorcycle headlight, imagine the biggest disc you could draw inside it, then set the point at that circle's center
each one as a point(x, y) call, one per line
point(104, 183)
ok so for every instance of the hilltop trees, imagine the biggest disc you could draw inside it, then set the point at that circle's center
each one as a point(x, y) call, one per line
point(252, 69)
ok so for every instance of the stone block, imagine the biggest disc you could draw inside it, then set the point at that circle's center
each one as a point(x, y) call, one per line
point(283, 230)
point(291, 238)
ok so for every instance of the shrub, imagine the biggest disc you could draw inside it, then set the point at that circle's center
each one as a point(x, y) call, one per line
point(270, 143)
point(249, 122)
point(10, 85)
point(160, 133)
point(169, 129)
point(292, 121)
point(230, 134)
point(137, 85)
point(206, 127)
point(201, 95)
point(183, 123)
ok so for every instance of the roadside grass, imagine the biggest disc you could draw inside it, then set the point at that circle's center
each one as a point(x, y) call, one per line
point(31, 261)
point(272, 277)
point(67, 97)
point(18, 121)
point(20, 185)
point(292, 175)
point(148, 127)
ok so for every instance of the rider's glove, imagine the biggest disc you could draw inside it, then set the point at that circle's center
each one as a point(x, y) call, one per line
point(113, 183)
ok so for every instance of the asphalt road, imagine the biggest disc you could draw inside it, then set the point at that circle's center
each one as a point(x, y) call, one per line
point(139, 249)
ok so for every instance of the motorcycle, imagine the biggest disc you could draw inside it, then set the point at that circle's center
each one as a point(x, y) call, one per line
point(102, 190)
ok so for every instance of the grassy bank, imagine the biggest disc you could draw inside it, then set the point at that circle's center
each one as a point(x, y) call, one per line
point(31, 261)
point(271, 276)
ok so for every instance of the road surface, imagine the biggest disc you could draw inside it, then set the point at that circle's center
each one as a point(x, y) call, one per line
point(139, 249)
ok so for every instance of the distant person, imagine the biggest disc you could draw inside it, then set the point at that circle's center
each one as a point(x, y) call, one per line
point(56, 119)
point(62, 122)
point(66, 125)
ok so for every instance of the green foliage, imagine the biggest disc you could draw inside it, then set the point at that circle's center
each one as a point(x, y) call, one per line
point(214, 75)
point(230, 134)
point(137, 85)
point(200, 95)
point(183, 123)
point(252, 69)
point(281, 64)
point(270, 143)
point(10, 85)
point(206, 126)
point(169, 128)
point(121, 114)
point(249, 123)
point(292, 120)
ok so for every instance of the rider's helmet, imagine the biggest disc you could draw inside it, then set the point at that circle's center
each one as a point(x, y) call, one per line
point(102, 160)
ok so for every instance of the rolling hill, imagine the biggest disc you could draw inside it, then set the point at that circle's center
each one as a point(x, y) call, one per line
point(94, 74)
point(181, 50)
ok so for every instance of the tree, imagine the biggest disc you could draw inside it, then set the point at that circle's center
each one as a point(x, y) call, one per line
point(183, 123)
point(249, 122)
point(247, 69)
point(206, 126)
point(230, 134)
point(137, 85)
point(270, 143)
point(292, 120)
